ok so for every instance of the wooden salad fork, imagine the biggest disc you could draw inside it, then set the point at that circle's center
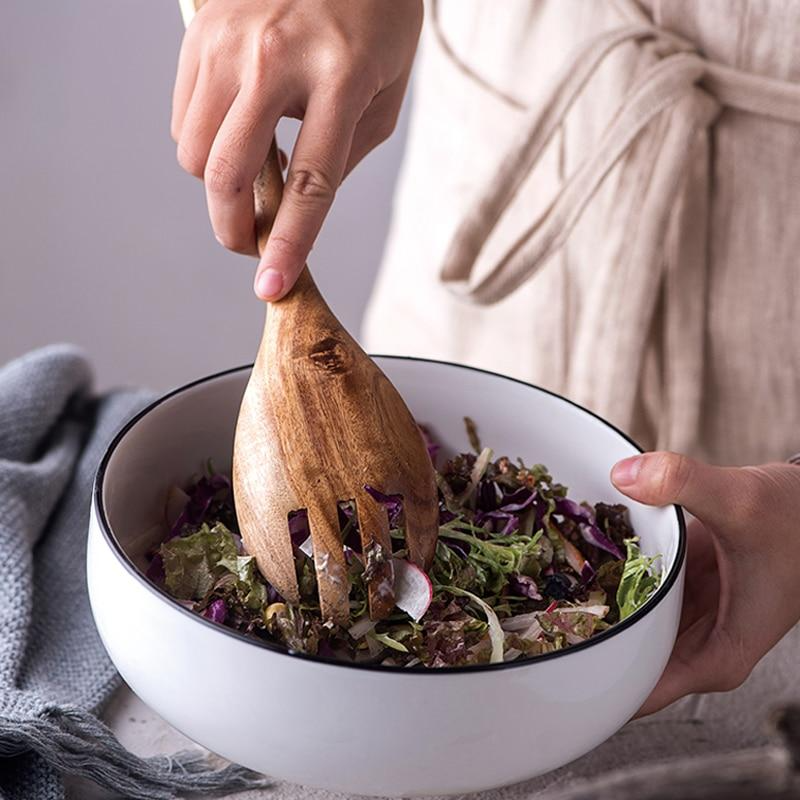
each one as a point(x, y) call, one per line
point(319, 422)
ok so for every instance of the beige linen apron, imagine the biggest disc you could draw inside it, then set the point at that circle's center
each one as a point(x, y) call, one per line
point(603, 200)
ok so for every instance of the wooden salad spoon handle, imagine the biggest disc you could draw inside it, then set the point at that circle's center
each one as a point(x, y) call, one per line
point(318, 423)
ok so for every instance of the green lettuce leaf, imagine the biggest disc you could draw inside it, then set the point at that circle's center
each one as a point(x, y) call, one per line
point(209, 560)
point(639, 580)
point(252, 590)
point(193, 564)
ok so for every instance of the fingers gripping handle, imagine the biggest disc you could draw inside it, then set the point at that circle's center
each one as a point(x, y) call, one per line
point(268, 186)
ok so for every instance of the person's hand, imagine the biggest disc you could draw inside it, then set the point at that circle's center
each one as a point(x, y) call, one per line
point(743, 565)
point(340, 65)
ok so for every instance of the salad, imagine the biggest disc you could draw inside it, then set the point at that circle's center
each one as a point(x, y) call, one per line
point(520, 569)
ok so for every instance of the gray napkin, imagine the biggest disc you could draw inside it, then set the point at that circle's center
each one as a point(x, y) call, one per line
point(55, 675)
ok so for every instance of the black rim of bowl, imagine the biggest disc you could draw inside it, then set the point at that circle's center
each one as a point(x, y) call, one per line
point(662, 591)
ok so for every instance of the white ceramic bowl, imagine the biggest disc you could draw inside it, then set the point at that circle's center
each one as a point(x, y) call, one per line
point(374, 730)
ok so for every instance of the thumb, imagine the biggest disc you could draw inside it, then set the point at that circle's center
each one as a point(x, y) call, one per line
point(662, 478)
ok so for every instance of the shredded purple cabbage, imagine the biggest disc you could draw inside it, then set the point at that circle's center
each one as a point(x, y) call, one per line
point(586, 525)
point(217, 611)
point(199, 505)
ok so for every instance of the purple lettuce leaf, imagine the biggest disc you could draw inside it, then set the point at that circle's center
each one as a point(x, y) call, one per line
point(392, 502)
point(524, 586)
point(201, 496)
point(217, 611)
point(587, 526)
point(587, 573)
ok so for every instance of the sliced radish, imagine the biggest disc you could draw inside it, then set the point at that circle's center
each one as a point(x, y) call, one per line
point(413, 590)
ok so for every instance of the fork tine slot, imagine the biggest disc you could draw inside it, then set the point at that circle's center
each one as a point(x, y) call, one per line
point(333, 583)
point(373, 525)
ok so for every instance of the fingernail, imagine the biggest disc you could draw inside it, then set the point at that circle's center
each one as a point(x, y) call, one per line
point(625, 472)
point(269, 284)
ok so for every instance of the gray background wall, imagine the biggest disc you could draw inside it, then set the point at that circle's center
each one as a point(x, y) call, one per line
point(104, 241)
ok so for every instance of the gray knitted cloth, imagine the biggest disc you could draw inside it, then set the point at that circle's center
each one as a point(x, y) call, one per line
point(55, 675)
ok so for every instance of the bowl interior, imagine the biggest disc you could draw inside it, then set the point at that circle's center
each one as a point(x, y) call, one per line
point(179, 433)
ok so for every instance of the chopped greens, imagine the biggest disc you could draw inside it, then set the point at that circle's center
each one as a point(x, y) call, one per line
point(520, 569)
point(496, 634)
point(638, 580)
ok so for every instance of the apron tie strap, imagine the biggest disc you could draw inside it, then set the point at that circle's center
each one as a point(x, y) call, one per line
point(659, 88)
